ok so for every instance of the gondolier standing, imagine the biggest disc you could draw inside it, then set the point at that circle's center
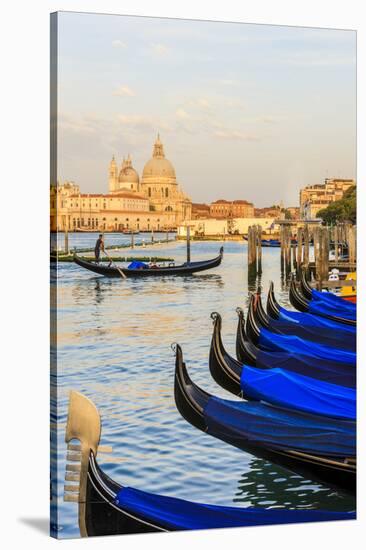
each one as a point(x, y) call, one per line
point(99, 246)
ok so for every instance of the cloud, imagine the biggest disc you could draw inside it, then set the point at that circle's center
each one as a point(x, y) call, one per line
point(182, 114)
point(141, 122)
point(159, 49)
point(124, 91)
point(76, 125)
point(234, 135)
point(119, 44)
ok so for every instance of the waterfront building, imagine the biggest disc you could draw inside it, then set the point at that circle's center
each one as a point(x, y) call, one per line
point(316, 197)
point(200, 210)
point(294, 212)
point(231, 209)
point(211, 227)
point(268, 212)
point(156, 202)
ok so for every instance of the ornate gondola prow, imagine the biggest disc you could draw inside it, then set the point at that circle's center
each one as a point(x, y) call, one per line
point(252, 328)
point(83, 424)
point(245, 350)
point(261, 315)
point(297, 300)
point(305, 287)
point(273, 308)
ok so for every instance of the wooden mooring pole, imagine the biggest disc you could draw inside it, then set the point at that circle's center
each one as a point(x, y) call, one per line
point(306, 248)
point(299, 256)
point(188, 244)
point(254, 251)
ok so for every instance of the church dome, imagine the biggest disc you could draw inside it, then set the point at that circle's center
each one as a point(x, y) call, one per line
point(127, 173)
point(158, 166)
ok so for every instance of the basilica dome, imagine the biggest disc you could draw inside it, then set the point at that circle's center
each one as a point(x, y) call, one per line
point(127, 173)
point(158, 166)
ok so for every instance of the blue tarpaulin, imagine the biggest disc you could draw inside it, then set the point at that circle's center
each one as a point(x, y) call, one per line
point(322, 369)
point(321, 335)
point(325, 308)
point(298, 392)
point(177, 514)
point(244, 422)
point(333, 299)
point(138, 265)
point(307, 319)
point(292, 344)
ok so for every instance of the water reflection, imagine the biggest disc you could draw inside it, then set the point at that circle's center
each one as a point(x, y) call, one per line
point(269, 486)
point(113, 344)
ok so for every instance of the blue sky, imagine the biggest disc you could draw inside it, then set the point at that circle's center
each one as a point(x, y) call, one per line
point(244, 111)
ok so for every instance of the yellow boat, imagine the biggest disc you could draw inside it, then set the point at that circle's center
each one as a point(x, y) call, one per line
point(349, 292)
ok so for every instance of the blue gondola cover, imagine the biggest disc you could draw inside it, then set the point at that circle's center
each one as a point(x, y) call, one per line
point(298, 392)
point(319, 334)
point(307, 319)
point(321, 369)
point(292, 344)
point(263, 424)
point(324, 308)
point(177, 514)
point(334, 300)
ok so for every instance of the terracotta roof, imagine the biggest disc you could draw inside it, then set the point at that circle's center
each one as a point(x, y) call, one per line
point(242, 202)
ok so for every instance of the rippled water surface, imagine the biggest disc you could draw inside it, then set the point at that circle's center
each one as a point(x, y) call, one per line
point(113, 345)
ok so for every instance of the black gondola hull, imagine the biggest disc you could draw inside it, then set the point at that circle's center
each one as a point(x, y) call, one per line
point(184, 269)
point(102, 515)
point(190, 401)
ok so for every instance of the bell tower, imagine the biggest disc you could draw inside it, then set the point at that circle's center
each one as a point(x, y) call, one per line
point(113, 176)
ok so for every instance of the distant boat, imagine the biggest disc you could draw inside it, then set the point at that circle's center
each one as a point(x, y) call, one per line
point(129, 232)
point(86, 230)
point(188, 268)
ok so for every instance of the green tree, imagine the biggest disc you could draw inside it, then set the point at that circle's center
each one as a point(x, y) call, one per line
point(342, 210)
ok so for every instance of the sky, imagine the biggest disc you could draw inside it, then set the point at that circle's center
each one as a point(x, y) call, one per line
point(244, 111)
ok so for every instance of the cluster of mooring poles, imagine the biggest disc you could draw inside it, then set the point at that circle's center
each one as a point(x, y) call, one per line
point(297, 255)
point(254, 251)
point(295, 250)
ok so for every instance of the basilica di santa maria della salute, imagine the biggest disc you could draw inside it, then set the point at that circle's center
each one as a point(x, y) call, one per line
point(153, 202)
point(158, 183)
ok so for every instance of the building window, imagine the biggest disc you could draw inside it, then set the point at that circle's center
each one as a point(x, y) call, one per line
point(149, 191)
point(166, 192)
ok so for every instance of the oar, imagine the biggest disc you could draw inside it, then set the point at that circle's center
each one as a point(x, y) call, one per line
point(115, 265)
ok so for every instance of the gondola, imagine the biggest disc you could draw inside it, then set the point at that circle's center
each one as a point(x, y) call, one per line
point(279, 385)
point(271, 243)
point(188, 268)
point(305, 287)
point(108, 508)
point(272, 433)
point(276, 311)
point(267, 340)
point(227, 371)
point(320, 335)
point(246, 351)
point(319, 308)
point(334, 299)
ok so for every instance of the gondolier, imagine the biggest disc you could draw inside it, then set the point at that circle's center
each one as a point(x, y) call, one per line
point(99, 246)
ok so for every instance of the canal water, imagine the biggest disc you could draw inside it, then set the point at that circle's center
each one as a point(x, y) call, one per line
point(113, 345)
